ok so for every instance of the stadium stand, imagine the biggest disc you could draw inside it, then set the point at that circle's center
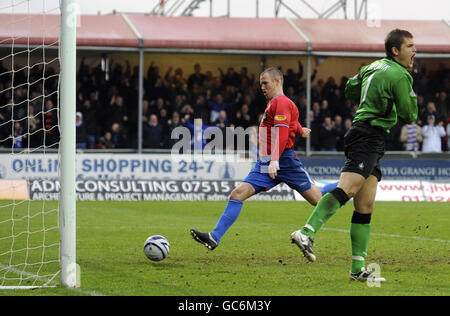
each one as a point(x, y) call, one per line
point(108, 90)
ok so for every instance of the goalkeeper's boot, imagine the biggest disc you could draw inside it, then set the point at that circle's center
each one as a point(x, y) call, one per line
point(365, 276)
point(305, 243)
point(204, 238)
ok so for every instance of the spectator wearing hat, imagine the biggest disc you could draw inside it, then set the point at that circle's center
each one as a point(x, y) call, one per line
point(432, 135)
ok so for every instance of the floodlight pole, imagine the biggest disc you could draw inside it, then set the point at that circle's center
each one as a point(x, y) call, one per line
point(67, 220)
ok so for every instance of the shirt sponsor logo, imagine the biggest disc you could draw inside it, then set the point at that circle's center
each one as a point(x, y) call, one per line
point(280, 117)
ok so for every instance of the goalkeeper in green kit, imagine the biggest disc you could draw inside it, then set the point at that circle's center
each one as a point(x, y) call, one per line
point(384, 91)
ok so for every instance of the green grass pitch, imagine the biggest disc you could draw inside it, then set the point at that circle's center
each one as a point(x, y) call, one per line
point(409, 241)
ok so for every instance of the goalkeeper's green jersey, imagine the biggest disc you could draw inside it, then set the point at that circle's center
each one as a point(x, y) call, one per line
point(384, 90)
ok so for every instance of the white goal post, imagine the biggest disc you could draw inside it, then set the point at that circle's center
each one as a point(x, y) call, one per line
point(38, 238)
point(68, 26)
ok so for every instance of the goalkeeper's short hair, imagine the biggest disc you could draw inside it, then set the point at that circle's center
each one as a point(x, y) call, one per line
point(395, 39)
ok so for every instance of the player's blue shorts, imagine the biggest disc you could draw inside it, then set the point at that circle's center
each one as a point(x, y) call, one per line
point(291, 172)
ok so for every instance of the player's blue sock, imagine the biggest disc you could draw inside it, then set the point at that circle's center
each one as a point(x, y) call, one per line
point(328, 187)
point(227, 219)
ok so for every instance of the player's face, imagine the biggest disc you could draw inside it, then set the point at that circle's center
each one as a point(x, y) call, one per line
point(406, 53)
point(268, 86)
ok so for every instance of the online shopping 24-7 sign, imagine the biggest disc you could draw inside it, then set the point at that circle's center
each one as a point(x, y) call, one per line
point(164, 167)
point(125, 166)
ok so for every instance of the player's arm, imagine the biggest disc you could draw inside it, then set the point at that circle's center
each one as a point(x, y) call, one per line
point(353, 88)
point(302, 131)
point(405, 100)
point(298, 128)
point(282, 119)
point(281, 138)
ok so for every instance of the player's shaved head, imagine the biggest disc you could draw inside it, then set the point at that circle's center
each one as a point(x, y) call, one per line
point(273, 73)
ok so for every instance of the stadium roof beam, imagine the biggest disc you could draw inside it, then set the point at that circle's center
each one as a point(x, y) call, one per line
point(194, 5)
point(342, 4)
point(176, 7)
point(359, 12)
point(294, 7)
point(360, 8)
point(279, 3)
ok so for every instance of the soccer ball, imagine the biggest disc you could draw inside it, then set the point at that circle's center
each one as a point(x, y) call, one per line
point(156, 247)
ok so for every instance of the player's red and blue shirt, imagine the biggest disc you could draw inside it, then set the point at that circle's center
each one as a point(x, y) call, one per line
point(278, 127)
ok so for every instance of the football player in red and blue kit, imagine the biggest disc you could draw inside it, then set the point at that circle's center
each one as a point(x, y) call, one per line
point(277, 161)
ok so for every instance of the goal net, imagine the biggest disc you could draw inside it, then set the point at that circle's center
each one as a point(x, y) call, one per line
point(30, 142)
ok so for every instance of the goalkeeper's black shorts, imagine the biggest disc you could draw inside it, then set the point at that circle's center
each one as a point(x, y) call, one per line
point(364, 146)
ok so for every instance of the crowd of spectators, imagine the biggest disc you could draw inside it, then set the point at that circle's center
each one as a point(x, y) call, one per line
point(29, 107)
point(107, 107)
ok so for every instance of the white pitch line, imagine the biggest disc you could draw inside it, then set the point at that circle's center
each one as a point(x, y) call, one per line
point(390, 235)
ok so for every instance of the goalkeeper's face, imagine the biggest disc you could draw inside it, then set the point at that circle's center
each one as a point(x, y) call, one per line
point(406, 53)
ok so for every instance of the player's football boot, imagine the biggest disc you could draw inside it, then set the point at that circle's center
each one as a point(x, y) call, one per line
point(364, 276)
point(204, 238)
point(305, 243)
